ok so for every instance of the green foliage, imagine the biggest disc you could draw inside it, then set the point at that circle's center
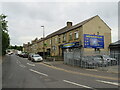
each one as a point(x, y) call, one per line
point(3, 22)
point(4, 34)
point(45, 44)
point(5, 41)
point(16, 47)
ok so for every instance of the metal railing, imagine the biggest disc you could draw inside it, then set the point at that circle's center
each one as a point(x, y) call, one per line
point(92, 60)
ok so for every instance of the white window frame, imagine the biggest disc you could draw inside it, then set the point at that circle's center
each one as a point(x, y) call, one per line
point(76, 33)
point(50, 41)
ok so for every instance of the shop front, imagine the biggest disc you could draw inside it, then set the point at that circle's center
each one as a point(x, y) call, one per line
point(71, 47)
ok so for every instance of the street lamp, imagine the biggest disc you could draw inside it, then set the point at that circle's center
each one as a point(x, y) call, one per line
point(43, 43)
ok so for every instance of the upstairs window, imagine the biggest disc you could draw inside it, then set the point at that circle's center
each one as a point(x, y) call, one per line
point(70, 36)
point(98, 33)
point(64, 37)
point(58, 39)
point(50, 41)
point(76, 35)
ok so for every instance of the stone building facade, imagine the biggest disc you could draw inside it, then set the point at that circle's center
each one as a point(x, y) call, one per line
point(72, 36)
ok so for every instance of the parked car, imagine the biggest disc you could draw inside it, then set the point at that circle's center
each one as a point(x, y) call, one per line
point(36, 57)
point(25, 55)
point(88, 62)
point(108, 59)
point(21, 54)
point(100, 62)
point(93, 62)
point(30, 56)
point(10, 53)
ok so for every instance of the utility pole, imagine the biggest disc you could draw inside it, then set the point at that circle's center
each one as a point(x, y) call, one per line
point(43, 43)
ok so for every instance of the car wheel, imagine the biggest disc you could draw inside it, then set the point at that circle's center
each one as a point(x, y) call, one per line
point(32, 60)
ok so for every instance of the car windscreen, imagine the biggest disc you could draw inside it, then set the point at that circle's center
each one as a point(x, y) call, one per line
point(97, 58)
point(36, 56)
point(106, 56)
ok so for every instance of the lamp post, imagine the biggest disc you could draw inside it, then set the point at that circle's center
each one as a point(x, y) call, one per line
point(43, 43)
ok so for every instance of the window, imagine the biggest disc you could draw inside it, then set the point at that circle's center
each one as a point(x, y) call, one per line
point(76, 35)
point(64, 37)
point(55, 40)
point(54, 47)
point(50, 41)
point(97, 50)
point(98, 33)
point(70, 36)
point(58, 39)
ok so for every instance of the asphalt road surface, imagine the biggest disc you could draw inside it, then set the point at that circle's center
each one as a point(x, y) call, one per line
point(18, 72)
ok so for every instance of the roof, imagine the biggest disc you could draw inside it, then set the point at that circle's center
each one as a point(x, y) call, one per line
point(115, 43)
point(66, 29)
point(80, 24)
point(57, 32)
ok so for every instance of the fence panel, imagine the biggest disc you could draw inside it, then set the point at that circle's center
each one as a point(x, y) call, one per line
point(99, 60)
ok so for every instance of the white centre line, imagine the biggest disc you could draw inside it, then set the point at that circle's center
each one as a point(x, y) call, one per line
point(38, 72)
point(18, 62)
point(22, 66)
point(31, 64)
point(107, 82)
point(77, 84)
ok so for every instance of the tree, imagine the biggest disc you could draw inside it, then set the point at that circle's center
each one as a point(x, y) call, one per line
point(3, 23)
point(5, 41)
point(16, 47)
point(4, 36)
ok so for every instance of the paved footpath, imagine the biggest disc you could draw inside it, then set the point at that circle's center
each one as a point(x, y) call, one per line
point(60, 64)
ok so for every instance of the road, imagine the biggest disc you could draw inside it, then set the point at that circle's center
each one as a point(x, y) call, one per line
point(19, 72)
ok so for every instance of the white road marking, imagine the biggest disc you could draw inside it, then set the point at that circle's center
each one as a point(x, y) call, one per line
point(77, 84)
point(92, 69)
point(22, 66)
point(31, 64)
point(107, 82)
point(18, 62)
point(38, 72)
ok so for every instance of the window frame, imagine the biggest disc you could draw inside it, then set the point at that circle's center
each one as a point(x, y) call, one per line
point(64, 37)
point(76, 34)
point(70, 36)
point(59, 40)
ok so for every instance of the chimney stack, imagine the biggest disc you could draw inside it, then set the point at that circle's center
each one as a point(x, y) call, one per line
point(69, 24)
point(28, 43)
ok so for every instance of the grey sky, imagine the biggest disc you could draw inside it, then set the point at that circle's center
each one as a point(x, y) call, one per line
point(26, 18)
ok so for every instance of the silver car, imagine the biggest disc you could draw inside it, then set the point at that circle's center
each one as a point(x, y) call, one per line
point(30, 56)
point(36, 57)
point(108, 59)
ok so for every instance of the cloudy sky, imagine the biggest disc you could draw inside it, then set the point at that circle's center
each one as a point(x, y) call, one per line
point(26, 18)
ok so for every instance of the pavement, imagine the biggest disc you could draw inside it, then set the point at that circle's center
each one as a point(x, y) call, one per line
point(60, 64)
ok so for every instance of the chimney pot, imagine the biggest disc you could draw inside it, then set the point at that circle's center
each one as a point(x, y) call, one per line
point(69, 24)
